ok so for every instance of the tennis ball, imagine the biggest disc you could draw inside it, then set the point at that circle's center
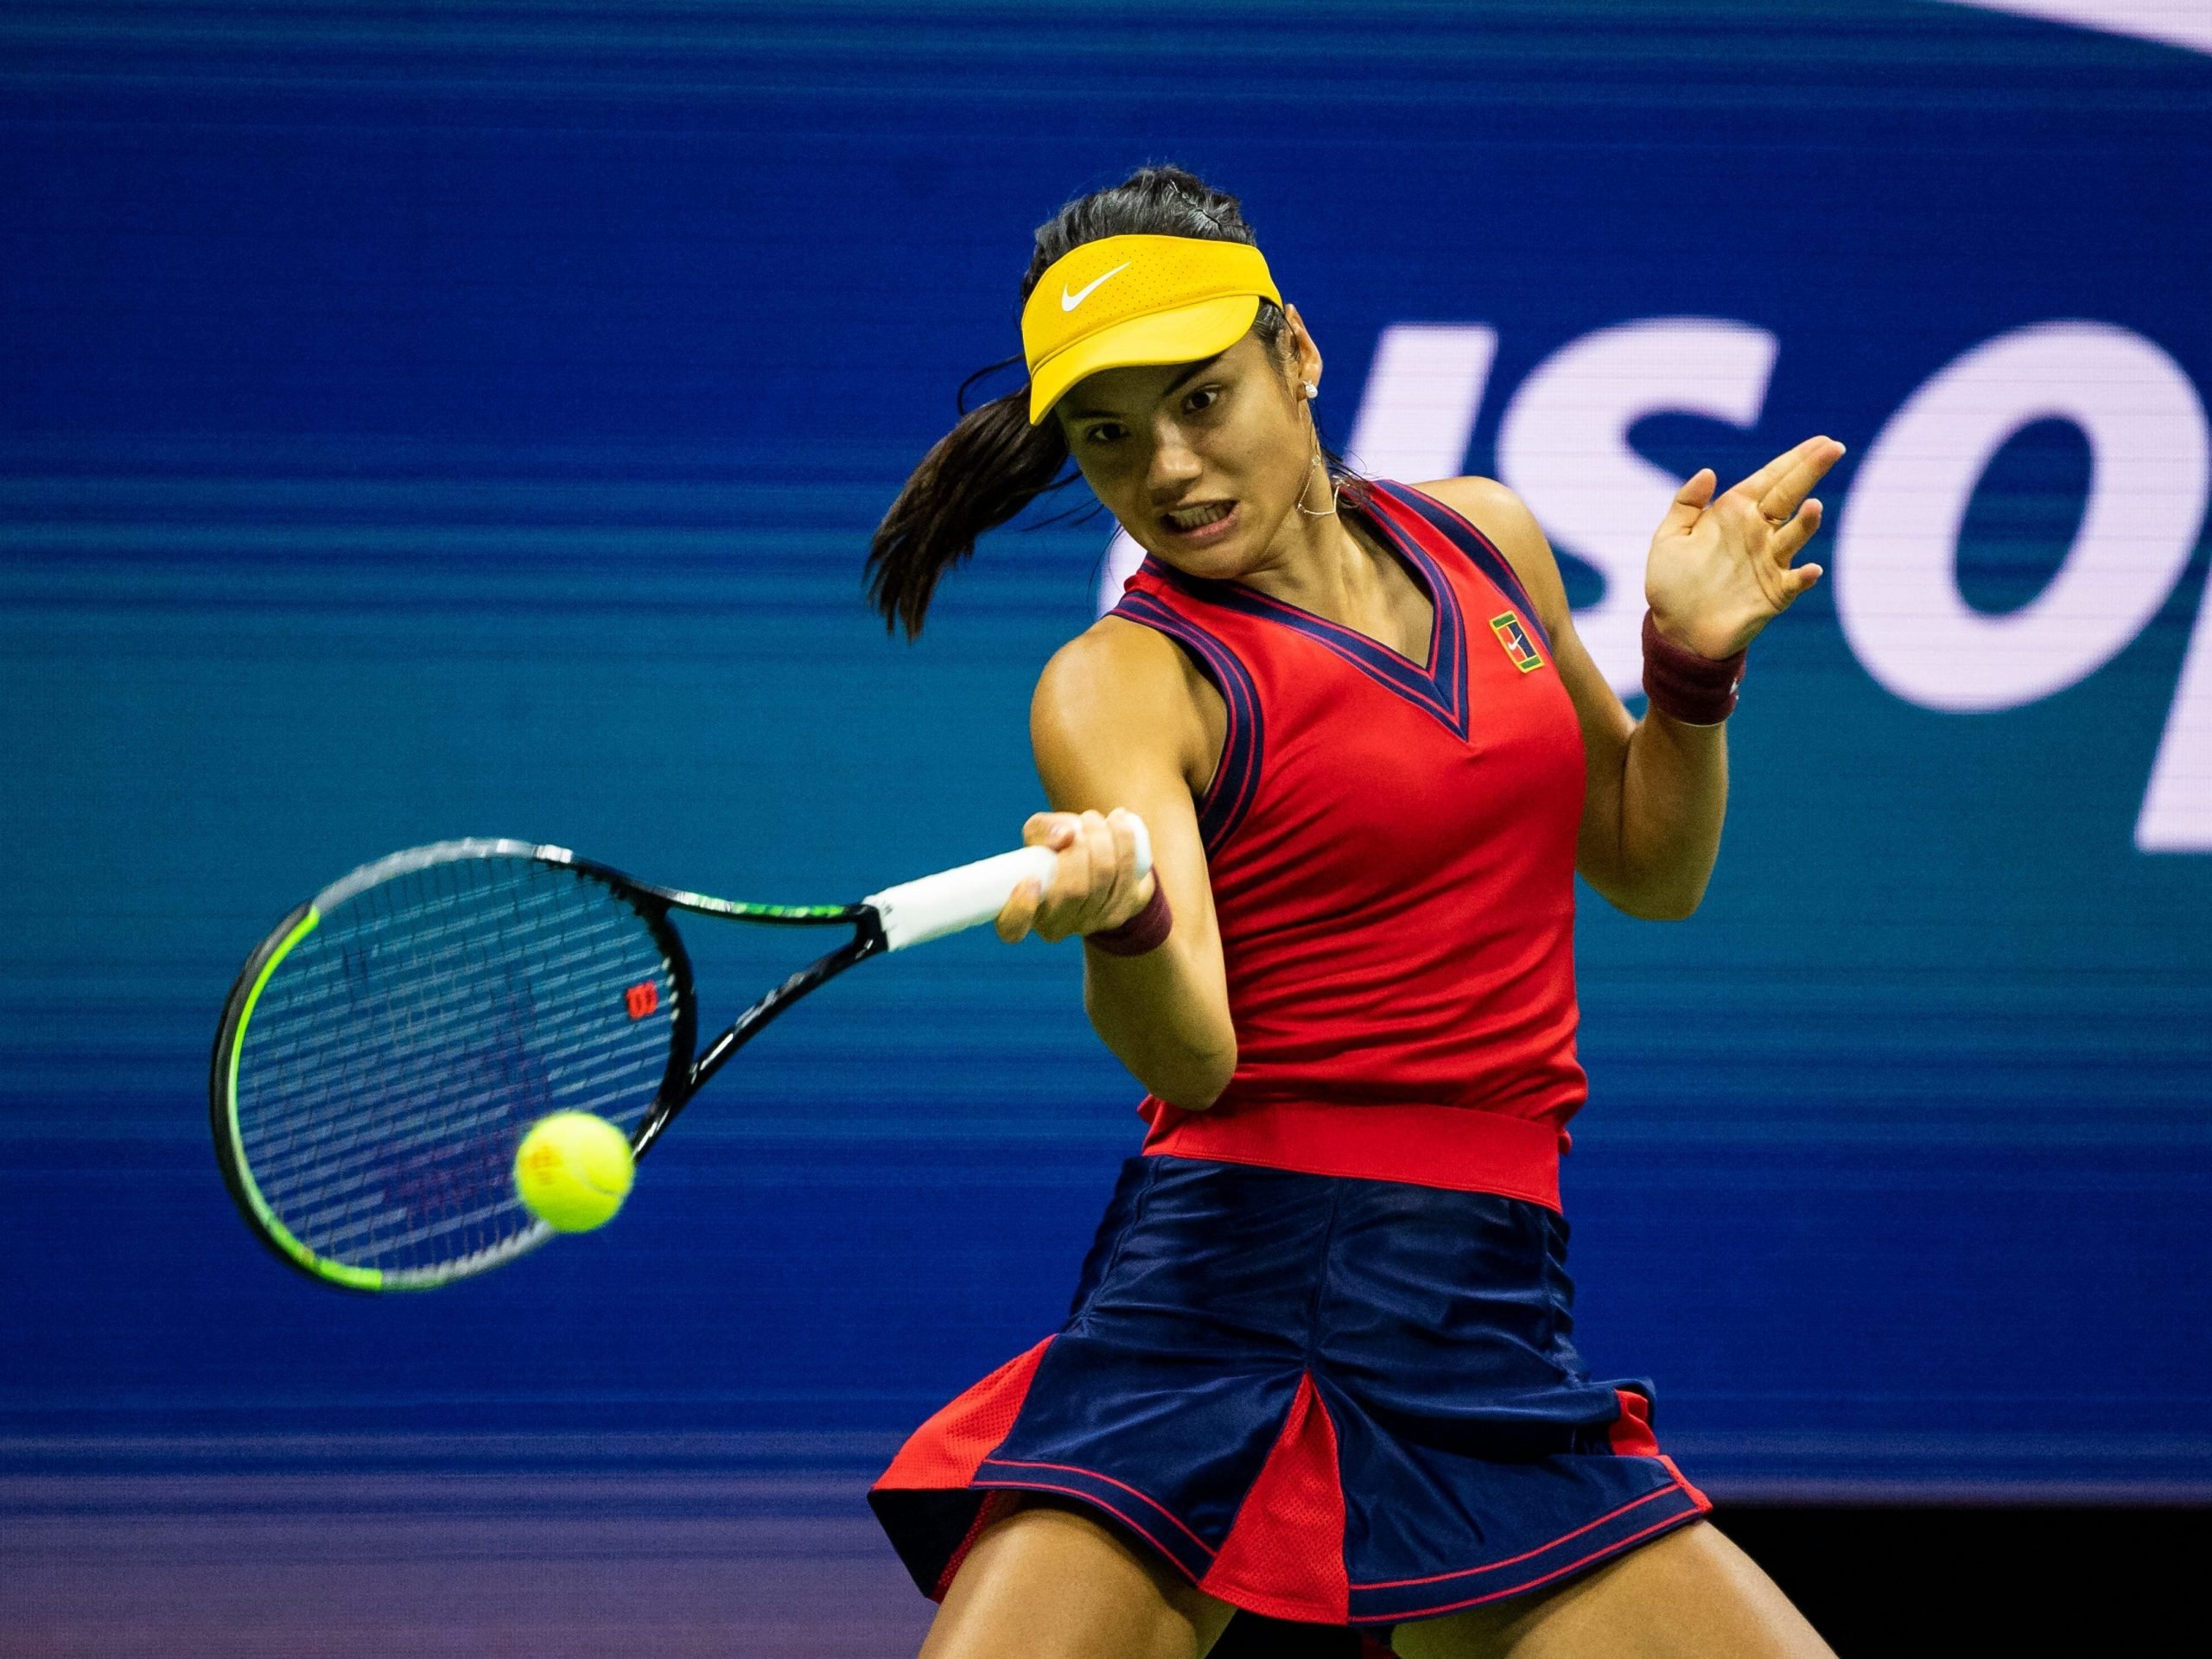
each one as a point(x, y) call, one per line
point(573, 1171)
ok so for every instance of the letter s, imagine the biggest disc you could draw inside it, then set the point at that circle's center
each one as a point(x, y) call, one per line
point(1563, 446)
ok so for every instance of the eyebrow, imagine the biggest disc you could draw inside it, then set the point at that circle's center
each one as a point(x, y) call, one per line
point(1173, 386)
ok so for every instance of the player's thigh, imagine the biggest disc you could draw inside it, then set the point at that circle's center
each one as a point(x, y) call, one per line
point(1047, 1582)
point(1691, 1594)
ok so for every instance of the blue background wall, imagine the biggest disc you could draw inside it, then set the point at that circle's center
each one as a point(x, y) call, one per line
point(418, 421)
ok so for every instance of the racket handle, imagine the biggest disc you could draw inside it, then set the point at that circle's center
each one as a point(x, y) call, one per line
point(914, 912)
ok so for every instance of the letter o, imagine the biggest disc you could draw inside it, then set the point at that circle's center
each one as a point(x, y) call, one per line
point(1897, 586)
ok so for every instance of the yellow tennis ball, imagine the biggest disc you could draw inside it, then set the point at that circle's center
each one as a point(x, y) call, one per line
point(573, 1171)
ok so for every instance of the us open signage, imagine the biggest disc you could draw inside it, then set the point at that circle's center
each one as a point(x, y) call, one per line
point(1563, 444)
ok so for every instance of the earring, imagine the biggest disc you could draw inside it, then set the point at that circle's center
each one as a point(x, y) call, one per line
point(1329, 511)
point(1311, 390)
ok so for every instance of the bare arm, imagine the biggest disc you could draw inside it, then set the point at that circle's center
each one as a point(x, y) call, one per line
point(1121, 724)
point(1657, 789)
point(1657, 792)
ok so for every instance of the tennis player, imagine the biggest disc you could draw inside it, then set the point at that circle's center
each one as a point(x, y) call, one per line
point(1318, 1363)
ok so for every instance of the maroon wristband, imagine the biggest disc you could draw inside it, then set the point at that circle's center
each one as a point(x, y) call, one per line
point(1146, 931)
point(1684, 686)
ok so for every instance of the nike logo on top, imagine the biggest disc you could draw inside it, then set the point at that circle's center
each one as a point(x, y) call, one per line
point(1069, 301)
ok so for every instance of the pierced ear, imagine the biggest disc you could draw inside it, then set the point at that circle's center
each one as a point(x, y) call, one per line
point(1301, 335)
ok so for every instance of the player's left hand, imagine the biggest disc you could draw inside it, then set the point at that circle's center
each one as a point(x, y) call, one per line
point(1721, 569)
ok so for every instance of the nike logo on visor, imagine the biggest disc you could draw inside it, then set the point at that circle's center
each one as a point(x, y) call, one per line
point(1069, 301)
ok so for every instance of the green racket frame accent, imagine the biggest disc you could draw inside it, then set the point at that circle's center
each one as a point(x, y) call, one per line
point(683, 1077)
point(234, 1165)
point(916, 912)
point(806, 915)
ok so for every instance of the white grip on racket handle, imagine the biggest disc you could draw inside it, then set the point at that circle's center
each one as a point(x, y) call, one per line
point(914, 912)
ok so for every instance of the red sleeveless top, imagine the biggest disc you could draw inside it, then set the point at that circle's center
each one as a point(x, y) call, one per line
point(1391, 847)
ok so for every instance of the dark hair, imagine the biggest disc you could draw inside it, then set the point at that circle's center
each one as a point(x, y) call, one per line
point(994, 463)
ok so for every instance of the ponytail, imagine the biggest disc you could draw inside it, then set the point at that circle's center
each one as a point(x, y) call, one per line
point(983, 472)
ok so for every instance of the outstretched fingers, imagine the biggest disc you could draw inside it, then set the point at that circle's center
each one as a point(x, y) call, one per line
point(1790, 536)
point(1779, 487)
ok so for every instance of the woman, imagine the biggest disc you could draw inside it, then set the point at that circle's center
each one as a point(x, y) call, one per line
point(1318, 1363)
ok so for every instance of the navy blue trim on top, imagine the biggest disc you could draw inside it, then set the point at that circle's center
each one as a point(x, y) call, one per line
point(1237, 778)
point(1439, 685)
point(1479, 550)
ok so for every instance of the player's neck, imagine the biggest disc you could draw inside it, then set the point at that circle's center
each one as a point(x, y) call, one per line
point(1325, 566)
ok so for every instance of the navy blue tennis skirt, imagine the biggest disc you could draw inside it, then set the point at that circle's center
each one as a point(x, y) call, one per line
point(1321, 1398)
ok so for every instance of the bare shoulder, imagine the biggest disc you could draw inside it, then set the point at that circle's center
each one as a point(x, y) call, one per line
point(1120, 687)
point(1504, 518)
point(1111, 668)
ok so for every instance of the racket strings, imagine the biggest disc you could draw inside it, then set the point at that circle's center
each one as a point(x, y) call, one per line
point(477, 1095)
point(399, 1054)
point(417, 1061)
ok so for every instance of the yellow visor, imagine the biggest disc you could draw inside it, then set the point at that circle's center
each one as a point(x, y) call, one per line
point(1132, 299)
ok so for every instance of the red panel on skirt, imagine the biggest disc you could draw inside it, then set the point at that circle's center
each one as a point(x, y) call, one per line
point(1285, 1556)
point(946, 1450)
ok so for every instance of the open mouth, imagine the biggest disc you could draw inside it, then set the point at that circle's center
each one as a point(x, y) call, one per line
point(1207, 517)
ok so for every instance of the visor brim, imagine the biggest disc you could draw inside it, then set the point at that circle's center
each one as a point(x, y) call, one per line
point(1189, 333)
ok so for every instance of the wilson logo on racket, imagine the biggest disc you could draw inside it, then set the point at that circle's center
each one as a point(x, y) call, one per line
point(1515, 639)
point(641, 999)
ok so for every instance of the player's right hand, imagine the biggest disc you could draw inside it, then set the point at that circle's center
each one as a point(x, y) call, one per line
point(1096, 886)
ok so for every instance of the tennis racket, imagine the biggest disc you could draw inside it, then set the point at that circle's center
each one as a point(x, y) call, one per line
point(385, 1049)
